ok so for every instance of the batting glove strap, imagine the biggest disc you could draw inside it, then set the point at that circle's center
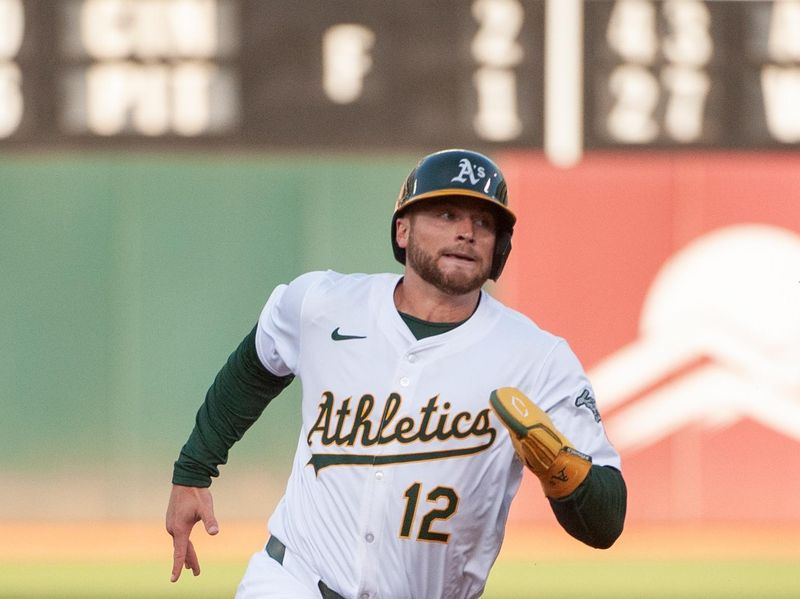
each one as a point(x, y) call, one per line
point(569, 470)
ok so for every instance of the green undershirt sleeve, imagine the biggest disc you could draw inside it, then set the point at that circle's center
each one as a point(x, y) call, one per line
point(238, 396)
point(595, 512)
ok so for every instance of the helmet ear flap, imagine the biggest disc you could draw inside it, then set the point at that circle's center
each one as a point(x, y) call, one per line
point(399, 253)
point(502, 248)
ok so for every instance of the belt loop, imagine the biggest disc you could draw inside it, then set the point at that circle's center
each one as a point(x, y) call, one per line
point(276, 549)
point(327, 593)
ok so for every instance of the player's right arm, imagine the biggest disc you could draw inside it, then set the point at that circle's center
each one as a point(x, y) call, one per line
point(260, 368)
point(241, 391)
point(236, 399)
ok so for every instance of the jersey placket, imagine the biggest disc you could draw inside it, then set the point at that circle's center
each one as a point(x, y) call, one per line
point(374, 531)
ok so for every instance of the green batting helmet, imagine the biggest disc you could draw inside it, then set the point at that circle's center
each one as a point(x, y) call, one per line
point(459, 174)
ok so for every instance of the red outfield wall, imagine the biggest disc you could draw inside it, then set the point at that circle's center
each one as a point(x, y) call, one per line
point(676, 280)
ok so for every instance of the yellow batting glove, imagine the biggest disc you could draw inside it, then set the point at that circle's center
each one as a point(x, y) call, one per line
point(549, 454)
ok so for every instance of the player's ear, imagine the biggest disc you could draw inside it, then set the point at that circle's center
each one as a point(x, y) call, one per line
point(402, 229)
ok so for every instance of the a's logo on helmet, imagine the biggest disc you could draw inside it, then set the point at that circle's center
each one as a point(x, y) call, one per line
point(467, 170)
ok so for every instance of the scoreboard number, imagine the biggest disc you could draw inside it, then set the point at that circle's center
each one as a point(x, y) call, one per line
point(497, 51)
point(780, 79)
point(346, 61)
point(12, 29)
point(638, 85)
point(673, 73)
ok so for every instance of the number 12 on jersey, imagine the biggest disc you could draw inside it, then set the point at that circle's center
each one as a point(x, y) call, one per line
point(425, 531)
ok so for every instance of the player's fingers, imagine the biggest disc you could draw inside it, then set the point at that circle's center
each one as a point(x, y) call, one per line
point(180, 545)
point(176, 570)
point(212, 527)
point(208, 518)
point(192, 563)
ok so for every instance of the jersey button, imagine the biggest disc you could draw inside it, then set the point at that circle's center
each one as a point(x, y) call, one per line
point(412, 358)
point(363, 596)
point(404, 381)
point(379, 475)
point(369, 537)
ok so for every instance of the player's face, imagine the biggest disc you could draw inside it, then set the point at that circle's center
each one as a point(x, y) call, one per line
point(450, 244)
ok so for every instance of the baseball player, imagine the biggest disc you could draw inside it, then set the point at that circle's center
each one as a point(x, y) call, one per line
point(422, 399)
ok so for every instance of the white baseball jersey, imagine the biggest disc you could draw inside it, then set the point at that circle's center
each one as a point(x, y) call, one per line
point(403, 476)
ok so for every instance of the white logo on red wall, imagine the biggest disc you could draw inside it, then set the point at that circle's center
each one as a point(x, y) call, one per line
point(719, 341)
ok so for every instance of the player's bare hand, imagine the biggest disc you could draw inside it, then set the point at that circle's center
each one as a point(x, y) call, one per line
point(187, 507)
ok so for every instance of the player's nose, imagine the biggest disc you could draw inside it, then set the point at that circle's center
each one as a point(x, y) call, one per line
point(465, 230)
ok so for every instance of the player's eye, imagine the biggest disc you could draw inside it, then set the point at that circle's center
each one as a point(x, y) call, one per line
point(484, 222)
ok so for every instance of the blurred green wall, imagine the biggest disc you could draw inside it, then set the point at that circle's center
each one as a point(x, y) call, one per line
point(126, 282)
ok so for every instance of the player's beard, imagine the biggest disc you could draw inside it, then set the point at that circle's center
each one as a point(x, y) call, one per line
point(456, 283)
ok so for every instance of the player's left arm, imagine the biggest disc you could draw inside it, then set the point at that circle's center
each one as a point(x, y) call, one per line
point(595, 512)
point(588, 500)
point(560, 437)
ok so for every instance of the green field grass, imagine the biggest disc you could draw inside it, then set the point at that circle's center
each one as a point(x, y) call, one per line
point(509, 580)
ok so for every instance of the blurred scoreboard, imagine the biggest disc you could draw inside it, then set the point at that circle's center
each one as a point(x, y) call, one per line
point(717, 74)
point(278, 74)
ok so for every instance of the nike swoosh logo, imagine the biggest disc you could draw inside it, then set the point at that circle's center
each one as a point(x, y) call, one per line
point(336, 336)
